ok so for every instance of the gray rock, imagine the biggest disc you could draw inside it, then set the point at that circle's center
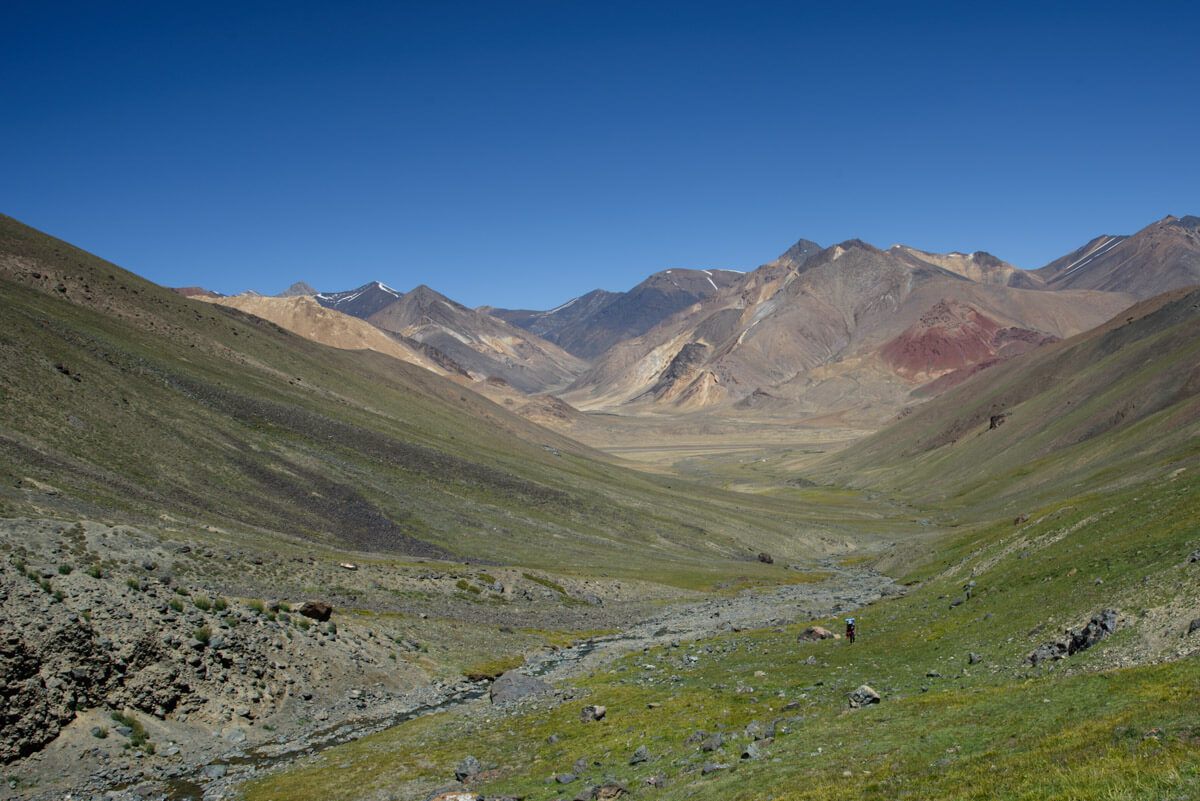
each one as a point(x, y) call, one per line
point(642, 754)
point(751, 751)
point(1194, 626)
point(593, 712)
point(467, 768)
point(974, 658)
point(513, 686)
point(1100, 626)
point(712, 767)
point(863, 696)
point(565, 778)
point(215, 771)
point(713, 743)
point(1194, 556)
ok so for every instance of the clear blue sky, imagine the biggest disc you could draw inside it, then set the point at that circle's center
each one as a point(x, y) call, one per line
point(520, 153)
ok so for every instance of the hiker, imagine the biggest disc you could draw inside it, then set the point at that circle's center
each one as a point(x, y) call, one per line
point(850, 629)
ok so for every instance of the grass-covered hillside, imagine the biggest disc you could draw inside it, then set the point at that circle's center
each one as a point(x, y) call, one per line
point(121, 398)
point(964, 715)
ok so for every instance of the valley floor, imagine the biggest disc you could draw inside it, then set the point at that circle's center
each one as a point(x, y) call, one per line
point(964, 714)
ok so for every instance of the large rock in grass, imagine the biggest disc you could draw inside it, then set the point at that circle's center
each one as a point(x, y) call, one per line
point(814, 633)
point(469, 767)
point(863, 696)
point(453, 795)
point(514, 686)
point(317, 610)
point(593, 712)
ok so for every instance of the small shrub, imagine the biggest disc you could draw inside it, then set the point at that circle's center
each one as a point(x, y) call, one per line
point(138, 738)
point(100, 733)
point(203, 634)
point(59, 595)
point(65, 569)
point(95, 572)
point(284, 606)
point(220, 604)
point(134, 585)
point(182, 591)
point(202, 603)
point(45, 585)
point(175, 604)
point(257, 605)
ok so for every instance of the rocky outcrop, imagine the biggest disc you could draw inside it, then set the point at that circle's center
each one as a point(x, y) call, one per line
point(514, 686)
point(1100, 626)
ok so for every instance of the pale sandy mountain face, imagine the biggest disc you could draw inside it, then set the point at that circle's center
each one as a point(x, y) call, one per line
point(589, 325)
point(1162, 256)
point(304, 316)
point(809, 335)
point(485, 346)
point(979, 266)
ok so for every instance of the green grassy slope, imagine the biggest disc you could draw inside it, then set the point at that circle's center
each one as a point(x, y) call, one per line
point(119, 397)
point(1118, 721)
point(1111, 406)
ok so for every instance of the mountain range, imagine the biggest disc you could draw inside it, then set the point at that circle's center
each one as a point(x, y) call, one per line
point(848, 333)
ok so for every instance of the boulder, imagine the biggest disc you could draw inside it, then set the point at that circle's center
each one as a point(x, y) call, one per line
point(813, 633)
point(593, 712)
point(642, 754)
point(751, 751)
point(469, 767)
point(453, 795)
point(1194, 626)
point(317, 610)
point(863, 696)
point(766, 558)
point(713, 743)
point(1048, 651)
point(514, 686)
point(1194, 556)
point(607, 792)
